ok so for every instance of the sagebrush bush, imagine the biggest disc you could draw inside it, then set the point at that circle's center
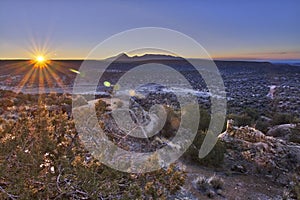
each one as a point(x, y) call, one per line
point(202, 183)
point(262, 125)
point(172, 123)
point(209, 186)
point(216, 182)
point(282, 118)
point(248, 117)
point(295, 136)
point(215, 156)
point(42, 157)
point(204, 119)
point(241, 119)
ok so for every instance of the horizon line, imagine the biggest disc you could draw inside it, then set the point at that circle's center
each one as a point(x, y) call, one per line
point(213, 58)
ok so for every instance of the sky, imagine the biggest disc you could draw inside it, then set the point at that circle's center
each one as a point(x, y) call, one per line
point(231, 29)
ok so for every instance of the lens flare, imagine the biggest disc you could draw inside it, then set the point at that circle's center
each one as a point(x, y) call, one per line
point(107, 84)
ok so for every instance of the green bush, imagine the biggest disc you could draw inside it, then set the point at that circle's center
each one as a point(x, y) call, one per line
point(252, 113)
point(215, 157)
point(262, 125)
point(282, 118)
point(241, 119)
point(204, 119)
point(295, 136)
point(248, 117)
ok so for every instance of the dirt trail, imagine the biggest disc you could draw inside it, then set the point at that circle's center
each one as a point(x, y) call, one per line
point(237, 186)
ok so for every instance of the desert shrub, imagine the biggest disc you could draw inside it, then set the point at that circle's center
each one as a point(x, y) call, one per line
point(296, 120)
point(262, 125)
point(100, 107)
point(209, 186)
point(214, 158)
point(295, 136)
point(293, 189)
point(202, 183)
point(296, 190)
point(247, 117)
point(252, 113)
point(204, 119)
point(216, 182)
point(172, 123)
point(241, 119)
point(66, 100)
point(5, 102)
point(41, 157)
point(282, 118)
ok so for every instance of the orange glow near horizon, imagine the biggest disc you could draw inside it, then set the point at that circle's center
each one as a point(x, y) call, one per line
point(42, 54)
point(40, 72)
point(40, 61)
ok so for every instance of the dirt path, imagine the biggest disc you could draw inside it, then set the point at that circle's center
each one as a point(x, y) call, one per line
point(237, 186)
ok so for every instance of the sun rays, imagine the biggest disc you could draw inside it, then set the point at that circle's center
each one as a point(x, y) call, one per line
point(40, 74)
point(43, 76)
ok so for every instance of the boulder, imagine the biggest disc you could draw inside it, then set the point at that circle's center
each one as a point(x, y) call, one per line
point(282, 130)
point(245, 133)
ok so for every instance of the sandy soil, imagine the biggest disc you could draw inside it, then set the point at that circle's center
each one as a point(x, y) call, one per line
point(237, 186)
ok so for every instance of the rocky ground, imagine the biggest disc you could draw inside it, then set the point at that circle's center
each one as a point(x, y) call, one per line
point(255, 166)
point(258, 164)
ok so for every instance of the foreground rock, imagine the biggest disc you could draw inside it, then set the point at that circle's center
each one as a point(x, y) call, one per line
point(249, 151)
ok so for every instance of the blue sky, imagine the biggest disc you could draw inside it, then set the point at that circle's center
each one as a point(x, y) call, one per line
point(226, 29)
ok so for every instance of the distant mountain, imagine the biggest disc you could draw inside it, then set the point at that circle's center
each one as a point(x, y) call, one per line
point(123, 57)
point(155, 57)
point(119, 57)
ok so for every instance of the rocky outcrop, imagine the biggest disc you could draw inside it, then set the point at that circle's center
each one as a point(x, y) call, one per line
point(282, 130)
point(250, 151)
point(246, 133)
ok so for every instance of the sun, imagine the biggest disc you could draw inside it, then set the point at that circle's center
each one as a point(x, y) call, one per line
point(40, 59)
